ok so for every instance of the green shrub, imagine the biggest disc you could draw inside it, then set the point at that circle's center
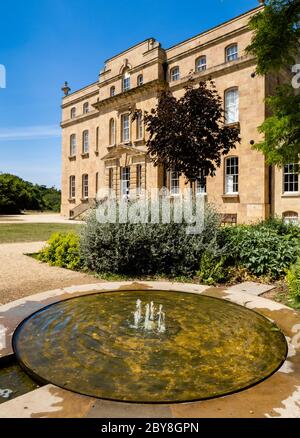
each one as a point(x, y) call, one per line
point(62, 250)
point(212, 268)
point(263, 249)
point(293, 282)
point(146, 249)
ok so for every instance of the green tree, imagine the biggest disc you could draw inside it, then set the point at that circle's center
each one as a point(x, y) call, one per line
point(189, 134)
point(17, 195)
point(275, 44)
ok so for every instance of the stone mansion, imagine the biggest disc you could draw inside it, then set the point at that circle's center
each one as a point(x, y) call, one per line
point(101, 147)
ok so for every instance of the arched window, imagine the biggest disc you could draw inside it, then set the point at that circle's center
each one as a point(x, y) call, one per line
point(126, 81)
point(73, 145)
point(140, 80)
point(175, 74)
point(112, 132)
point(290, 217)
point(85, 107)
point(231, 105)
point(112, 91)
point(231, 53)
point(139, 126)
point(73, 112)
point(231, 175)
point(201, 64)
point(85, 142)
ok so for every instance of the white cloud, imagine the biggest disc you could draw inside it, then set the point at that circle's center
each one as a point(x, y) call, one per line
point(29, 133)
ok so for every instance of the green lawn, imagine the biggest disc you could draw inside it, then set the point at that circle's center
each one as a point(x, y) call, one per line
point(10, 233)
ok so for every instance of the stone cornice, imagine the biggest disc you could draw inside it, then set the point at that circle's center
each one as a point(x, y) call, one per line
point(79, 119)
point(119, 99)
point(213, 72)
point(215, 41)
point(79, 99)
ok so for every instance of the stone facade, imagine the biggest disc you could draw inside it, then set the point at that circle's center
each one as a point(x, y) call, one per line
point(101, 148)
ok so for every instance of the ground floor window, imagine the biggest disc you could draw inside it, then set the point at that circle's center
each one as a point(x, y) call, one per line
point(72, 189)
point(290, 217)
point(110, 178)
point(174, 183)
point(200, 184)
point(125, 181)
point(138, 179)
point(291, 178)
point(85, 186)
point(232, 175)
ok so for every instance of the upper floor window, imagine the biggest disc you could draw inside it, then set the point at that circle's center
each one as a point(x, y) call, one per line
point(126, 81)
point(291, 178)
point(72, 188)
point(139, 126)
point(112, 91)
point(232, 106)
point(140, 80)
point(73, 145)
point(232, 175)
point(85, 107)
point(85, 186)
point(85, 142)
point(112, 132)
point(231, 52)
point(290, 217)
point(174, 182)
point(201, 64)
point(97, 139)
point(125, 128)
point(175, 74)
point(73, 113)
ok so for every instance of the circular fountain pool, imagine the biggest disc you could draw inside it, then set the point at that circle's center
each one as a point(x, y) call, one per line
point(151, 347)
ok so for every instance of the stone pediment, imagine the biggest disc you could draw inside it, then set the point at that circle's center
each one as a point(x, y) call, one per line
point(116, 152)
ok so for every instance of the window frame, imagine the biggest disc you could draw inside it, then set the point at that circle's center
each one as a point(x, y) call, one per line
point(200, 188)
point(290, 217)
point(112, 91)
point(294, 182)
point(125, 138)
point(85, 186)
point(126, 82)
point(85, 108)
point(174, 189)
point(139, 126)
point(73, 145)
point(227, 109)
point(72, 187)
point(125, 183)
point(140, 80)
point(202, 67)
point(73, 112)
point(85, 141)
point(235, 176)
point(112, 132)
point(229, 57)
point(175, 76)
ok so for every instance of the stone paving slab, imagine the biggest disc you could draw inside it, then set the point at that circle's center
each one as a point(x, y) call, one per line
point(250, 287)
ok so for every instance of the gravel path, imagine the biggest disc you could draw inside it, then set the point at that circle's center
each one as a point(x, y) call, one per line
point(21, 275)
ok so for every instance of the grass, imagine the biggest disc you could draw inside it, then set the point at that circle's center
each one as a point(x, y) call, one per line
point(12, 233)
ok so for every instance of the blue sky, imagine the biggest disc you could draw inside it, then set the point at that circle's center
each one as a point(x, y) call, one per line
point(45, 42)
